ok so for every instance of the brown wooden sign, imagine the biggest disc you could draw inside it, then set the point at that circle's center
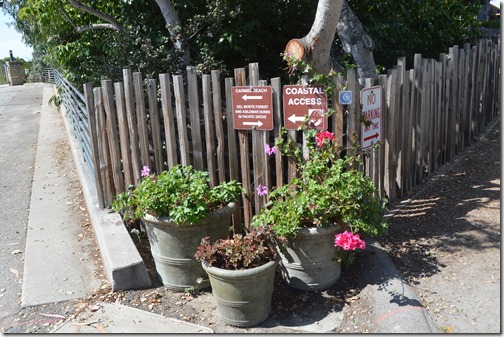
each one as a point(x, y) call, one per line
point(252, 107)
point(300, 101)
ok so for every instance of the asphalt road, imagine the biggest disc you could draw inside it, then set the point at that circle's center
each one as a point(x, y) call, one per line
point(19, 128)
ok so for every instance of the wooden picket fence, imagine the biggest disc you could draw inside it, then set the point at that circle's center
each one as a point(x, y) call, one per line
point(430, 114)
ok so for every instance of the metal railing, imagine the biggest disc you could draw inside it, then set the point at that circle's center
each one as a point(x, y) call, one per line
point(75, 106)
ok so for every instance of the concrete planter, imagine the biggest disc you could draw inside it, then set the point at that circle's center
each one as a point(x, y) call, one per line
point(243, 296)
point(173, 247)
point(309, 262)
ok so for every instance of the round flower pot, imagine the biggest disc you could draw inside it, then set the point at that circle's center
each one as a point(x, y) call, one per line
point(173, 246)
point(243, 296)
point(309, 262)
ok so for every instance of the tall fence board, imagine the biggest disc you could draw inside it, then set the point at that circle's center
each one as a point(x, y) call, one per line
point(430, 114)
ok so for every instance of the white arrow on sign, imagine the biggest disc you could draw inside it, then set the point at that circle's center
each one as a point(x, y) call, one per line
point(246, 97)
point(258, 123)
point(294, 118)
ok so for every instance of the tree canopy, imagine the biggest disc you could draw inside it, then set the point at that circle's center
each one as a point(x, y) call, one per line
point(222, 34)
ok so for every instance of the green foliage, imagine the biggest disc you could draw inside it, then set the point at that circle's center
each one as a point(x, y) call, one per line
point(56, 101)
point(326, 189)
point(403, 28)
point(495, 23)
point(38, 66)
point(240, 252)
point(181, 193)
point(325, 192)
point(226, 34)
point(233, 33)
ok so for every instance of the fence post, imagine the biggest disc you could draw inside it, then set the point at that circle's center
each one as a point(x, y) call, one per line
point(353, 121)
point(219, 128)
point(180, 108)
point(233, 154)
point(123, 133)
point(155, 125)
point(259, 139)
point(93, 135)
point(383, 172)
point(192, 97)
point(141, 118)
point(113, 138)
point(132, 123)
point(277, 122)
point(103, 148)
point(206, 82)
point(240, 80)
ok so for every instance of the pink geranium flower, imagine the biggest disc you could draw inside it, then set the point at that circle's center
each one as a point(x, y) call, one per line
point(319, 137)
point(349, 241)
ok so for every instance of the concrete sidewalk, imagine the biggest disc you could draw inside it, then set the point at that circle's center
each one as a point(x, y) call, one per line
point(57, 265)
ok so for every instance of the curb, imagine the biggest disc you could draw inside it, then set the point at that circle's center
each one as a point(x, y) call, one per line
point(122, 262)
point(396, 307)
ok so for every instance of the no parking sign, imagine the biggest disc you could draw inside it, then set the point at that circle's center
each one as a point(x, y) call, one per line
point(371, 99)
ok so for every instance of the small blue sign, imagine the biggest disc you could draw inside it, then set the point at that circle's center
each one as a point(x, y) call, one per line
point(345, 97)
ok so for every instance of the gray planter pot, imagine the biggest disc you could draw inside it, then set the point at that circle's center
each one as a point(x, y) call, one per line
point(243, 296)
point(309, 262)
point(173, 247)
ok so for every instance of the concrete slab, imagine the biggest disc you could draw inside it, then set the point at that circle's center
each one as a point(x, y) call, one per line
point(117, 318)
point(57, 266)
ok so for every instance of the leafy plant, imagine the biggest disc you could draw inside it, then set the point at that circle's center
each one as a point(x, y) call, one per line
point(56, 101)
point(240, 252)
point(326, 191)
point(181, 193)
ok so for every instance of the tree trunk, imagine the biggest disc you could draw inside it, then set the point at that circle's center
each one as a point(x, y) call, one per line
point(172, 20)
point(315, 48)
point(357, 43)
point(484, 13)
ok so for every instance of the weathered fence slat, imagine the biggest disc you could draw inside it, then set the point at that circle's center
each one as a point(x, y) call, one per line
point(258, 154)
point(104, 156)
point(169, 121)
point(206, 82)
point(155, 125)
point(219, 127)
point(123, 133)
point(277, 122)
point(194, 113)
point(132, 123)
point(178, 88)
point(93, 134)
point(233, 154)
point(113, 138)
point(141, 117)
point(240, 80)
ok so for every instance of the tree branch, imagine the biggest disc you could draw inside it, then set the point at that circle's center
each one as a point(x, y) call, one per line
point(112, 23)
point(315, 47)
point(172, 20)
